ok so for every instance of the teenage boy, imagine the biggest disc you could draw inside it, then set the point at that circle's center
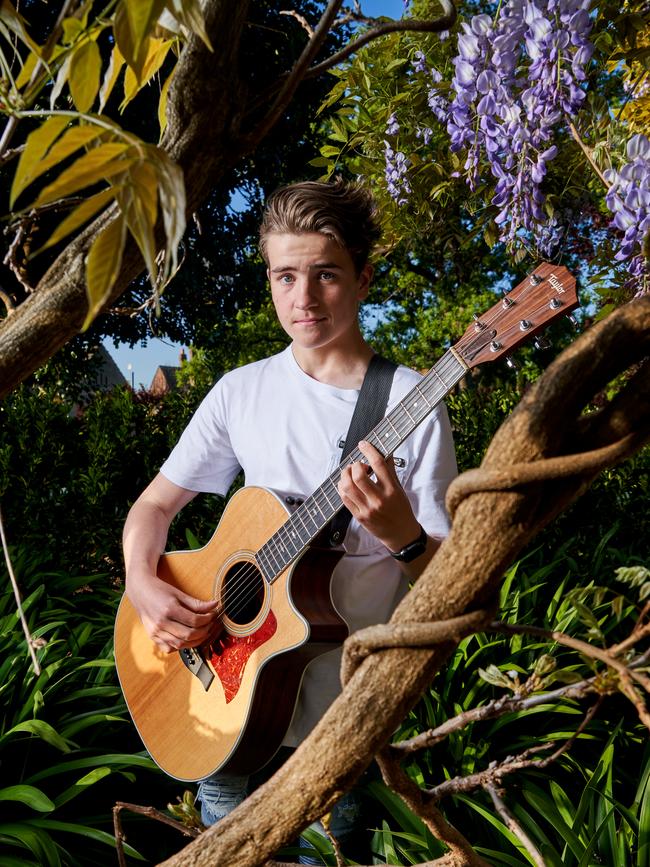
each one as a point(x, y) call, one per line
point(283, 420)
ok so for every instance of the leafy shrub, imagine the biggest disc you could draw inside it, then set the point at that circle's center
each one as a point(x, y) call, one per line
point(68, 474)
point(592, 805)
point(66, 744)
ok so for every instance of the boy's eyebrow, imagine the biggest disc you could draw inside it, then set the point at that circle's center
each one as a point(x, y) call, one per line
point(332, 266)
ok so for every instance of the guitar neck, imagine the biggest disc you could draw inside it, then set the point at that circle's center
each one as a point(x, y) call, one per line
point(317, 510)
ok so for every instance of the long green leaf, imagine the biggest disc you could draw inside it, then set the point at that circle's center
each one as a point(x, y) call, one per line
point(82, 785)
point(37, 840)
point(83, 831)
point(40, 729)
point(29, 795)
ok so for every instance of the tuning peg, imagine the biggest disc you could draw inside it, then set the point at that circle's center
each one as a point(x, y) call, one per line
point(512, 364)
point(572, 320)
point(541, 343)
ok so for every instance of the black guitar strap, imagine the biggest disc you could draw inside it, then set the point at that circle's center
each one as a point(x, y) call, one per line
point(369, 411)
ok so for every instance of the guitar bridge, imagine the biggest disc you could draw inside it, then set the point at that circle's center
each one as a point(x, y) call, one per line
point(194, 662)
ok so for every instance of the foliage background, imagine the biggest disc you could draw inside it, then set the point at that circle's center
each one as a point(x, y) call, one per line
point(71, 463)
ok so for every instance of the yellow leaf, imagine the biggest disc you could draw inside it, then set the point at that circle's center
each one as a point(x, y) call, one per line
point(136, 213)
point(142, 17)
point(156, 53)
point(190, 14)
point(60, 80)
point(171, 189)
point(26, 70)
point(112, 73)
point(162, 103)
point(83, 80)
point(133, 23)
point(103, 266)
point(124, 39)
point(78, 217)
point(98, 164)
point(71, 141)
point(36, 146)
point(72, 29)
point(16, 23)
point(145, 182)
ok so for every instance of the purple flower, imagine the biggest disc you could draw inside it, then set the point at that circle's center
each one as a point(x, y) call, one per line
point(516, 77)
point(628, 198)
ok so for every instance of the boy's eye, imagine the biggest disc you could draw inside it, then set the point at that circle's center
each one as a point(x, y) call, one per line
point(326, 275)
point(286, 278)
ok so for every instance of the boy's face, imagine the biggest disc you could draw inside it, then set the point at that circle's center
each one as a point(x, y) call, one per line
point(316, 290)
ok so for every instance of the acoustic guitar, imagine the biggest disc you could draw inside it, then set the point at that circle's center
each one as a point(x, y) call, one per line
point(228, 705)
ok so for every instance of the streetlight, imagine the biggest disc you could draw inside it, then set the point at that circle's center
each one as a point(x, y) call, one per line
point(130, 368)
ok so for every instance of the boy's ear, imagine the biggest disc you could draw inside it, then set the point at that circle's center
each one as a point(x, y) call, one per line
point(365, 278)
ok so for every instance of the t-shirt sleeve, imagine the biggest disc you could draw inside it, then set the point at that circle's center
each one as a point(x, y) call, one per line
point(433, 468)
point(203, 458)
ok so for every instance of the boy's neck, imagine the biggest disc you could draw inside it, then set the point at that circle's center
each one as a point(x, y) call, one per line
point(342, 367)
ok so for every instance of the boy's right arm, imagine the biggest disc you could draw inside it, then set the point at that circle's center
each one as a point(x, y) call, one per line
point(173, 619)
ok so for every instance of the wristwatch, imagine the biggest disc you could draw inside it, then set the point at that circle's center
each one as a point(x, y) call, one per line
point(413, 549)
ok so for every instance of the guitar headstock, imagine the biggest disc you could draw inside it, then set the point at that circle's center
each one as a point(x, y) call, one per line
point(548, 292)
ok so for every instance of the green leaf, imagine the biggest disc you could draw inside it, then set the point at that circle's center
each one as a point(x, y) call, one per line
point(81, 785)
point(36, 146)
point(141, 17)
point(42, 730)
point(83, 831)
point(103, 266)
point(36, 840)
point(29, 795)
point(84, 73)
point(98, 164)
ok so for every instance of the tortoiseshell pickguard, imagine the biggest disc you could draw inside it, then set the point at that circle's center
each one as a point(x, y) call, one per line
point(230, 653)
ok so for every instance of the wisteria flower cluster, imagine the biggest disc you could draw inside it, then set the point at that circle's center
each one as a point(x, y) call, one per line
point(628, 198)
point(516, 77)
point(397, 165)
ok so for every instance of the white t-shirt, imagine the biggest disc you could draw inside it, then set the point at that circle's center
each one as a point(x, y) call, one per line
point(286, 430)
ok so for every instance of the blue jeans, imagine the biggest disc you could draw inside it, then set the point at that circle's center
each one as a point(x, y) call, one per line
point(221, 793)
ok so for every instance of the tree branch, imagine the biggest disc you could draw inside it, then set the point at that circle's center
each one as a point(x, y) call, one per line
point(511, 823)
point(404, 25)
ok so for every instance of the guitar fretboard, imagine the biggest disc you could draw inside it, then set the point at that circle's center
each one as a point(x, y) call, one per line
point(317, 510)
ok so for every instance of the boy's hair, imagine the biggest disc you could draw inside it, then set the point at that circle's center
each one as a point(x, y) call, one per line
point(345, 212)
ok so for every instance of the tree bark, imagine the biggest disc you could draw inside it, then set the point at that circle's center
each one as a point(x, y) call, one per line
point(541, 459)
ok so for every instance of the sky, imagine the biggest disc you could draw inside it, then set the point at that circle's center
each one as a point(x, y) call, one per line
point(144, 360)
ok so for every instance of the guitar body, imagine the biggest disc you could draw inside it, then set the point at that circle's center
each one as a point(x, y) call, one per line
point(227, 706)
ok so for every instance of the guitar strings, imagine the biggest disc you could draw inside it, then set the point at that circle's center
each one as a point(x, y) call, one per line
point(241, 593)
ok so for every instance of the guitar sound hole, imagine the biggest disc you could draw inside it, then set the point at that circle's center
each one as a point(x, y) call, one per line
point(242, 593)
